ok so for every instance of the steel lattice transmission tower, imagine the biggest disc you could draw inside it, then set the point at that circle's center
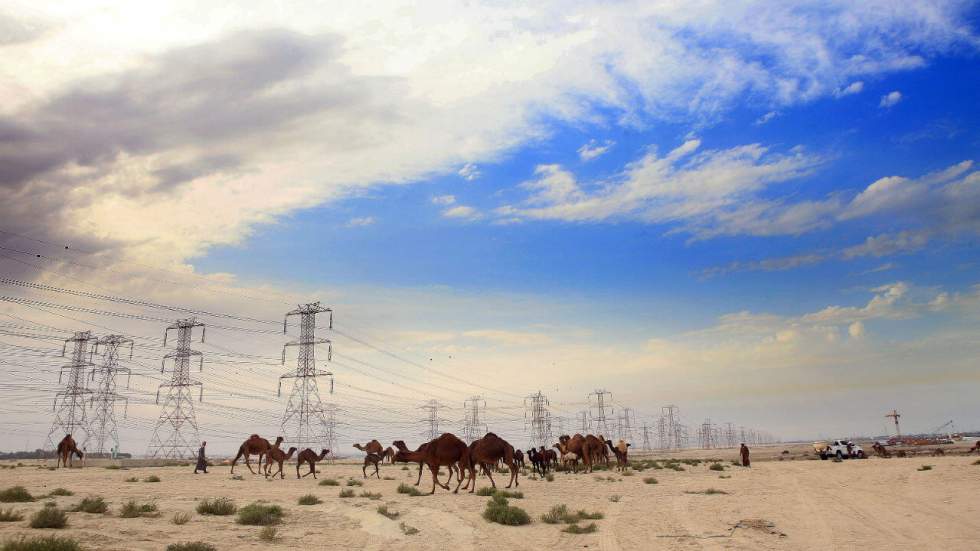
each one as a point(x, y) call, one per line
point(600, 412)
point(672, 434)
point(538, 419)
point(624, 424)
point(103, 425)
point(331, 436)
point(583, 417)
point(175, 435)
point(473, 426)
point(69, 404)
point(304, 423)
point(432, 407)
point(646, 438)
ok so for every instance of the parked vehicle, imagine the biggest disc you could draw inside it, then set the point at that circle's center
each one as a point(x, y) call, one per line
point(841, 449)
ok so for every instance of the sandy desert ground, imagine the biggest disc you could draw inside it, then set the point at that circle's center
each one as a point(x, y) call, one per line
point(875, 503)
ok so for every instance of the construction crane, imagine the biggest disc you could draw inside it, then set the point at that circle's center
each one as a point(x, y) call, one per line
point(939, 429)
point(895, 415)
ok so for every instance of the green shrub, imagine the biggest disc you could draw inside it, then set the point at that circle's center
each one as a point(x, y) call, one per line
point(557, 515)
point(370, 495)
point(260, 514)
point(410, 490)
point(615, 498)
point(15, 494)
point(132, 479)
point(191, 546)
point(181, 518)
point(49, 543)
point(500, 512)
point(346, 492)
point(583, 515)
point(383, 510)
point(49, 517)
point(925, 468)
point(486, 491)
point(408, 530)
point(709, 492)
point(576, 529)
point(269, 533)
point(724, 476)
point(650, 480)
point(329, 482)
point(353, 482)
point(10, 515)
point(387, 477)
point(131, 509)
point(152, 478)
point(61, 492)
point(405, 468)
point(94, 505)
point(717, 467)
point(219, 506)
point(549, 477)
point(309, 499)
point(627, 473)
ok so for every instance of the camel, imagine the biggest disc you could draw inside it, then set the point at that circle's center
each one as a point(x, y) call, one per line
point(620, 451)
point(447, 450)
point(372, 459)
point(602, 453)
point(537, 462)
point(975, 448)
point(388, 455)
point(519, 458)
point(585, 447)
point(277, 455)
point(550, 457)
point(569, 459)
point(398, 444)
point(371, 447)
point(310, 457)
point(880, 450)
point(255, 445)
point(938, 452)
point(487, 451)
point(66, 448)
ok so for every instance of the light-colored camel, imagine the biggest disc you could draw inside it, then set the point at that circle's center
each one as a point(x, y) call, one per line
point(371, 447)
point(309, 457)
point(620, 450)
point(388, 455)
point(447, 450)
point(66, 448)
point(279, 456)
point(569, 460)
point(372, 459)
point(255, 445)
point(486, 452)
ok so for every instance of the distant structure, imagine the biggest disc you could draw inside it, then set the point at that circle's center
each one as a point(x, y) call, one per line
point(70, 403)
point(331, 429)
point(583, 417)
point(175, 435)
point(647, 446)
point(102, 429)
point(304, 422)
point(706, 434)
point(473, 427)
point(537, 418)
point(625, 421)
point(672, 435)
point(600, 412)
point(432, 407)
point(730, 435)
point(895, 415)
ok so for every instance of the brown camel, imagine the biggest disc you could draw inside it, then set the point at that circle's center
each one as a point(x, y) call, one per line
point(447, 450)
point(66, 448)
point(372, 459)
point(310, 457)
point(975, 448)
point(388, 455)
point(486, 452)
point(938, 452)
point(279, 456)
point(602, 454)
point(585, 447)
point(255, 445)
point(400, 444)
point(371, 447)
point(620, 450)
point(880, 450)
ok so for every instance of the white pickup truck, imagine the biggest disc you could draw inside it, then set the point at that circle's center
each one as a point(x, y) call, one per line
point(841, 449)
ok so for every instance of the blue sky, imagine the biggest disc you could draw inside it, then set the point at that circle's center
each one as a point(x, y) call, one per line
point(741, 207)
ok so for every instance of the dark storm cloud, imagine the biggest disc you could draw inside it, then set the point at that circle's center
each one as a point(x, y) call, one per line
point(243, 88)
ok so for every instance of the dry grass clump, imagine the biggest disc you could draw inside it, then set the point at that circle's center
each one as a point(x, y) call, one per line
point(49, 517)
point(709, 492)
point(131, 509)
point(269, 533)
point(329, 482)
point(347, 492)
point(549, 477)
point(132, 479)
point(716, 467)
point(49, 543)
point(92, 504)
point(371, 495)
point(576, 529)
point(152, 478)
point(500, 512)
point(486, 491)
point(559, 514)
point(15, 494)
point(61, 492)
point(191, 546)
point(260, 514)
point(181, 518)
point(408, 530)
point(353, 482)
point(10, 515)
point(925, 468)
point(615, 498)
point(384, 511)
point(410, 490)
point(650, 480)
point(219, 506)
point(309, 499)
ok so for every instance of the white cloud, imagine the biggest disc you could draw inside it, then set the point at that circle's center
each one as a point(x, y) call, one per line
point(462, 211)
point(444, 200)
point(766, 118)
point(890, 99)
point(594, 149)
point(856, 330)
point(361, 221)
point(855, 87)
point(887, 245)
point(469, 172)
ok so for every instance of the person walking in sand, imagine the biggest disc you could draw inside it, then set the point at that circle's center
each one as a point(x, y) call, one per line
point(202, 462)
point(745, 455)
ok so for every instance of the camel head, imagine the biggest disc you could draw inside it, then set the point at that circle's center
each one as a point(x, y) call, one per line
point(290, 452)
point(400, 445)
point(279, 440)
point(358, 446)
point(564, 438)
point(324, 452)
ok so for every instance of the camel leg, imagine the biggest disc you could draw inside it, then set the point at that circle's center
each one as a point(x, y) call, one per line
point(364, 470)
point(420, 475)
point(513, 476)
point(376, 471)
point(487, 469)
point(472, 475)
point(297, 470)
point(312, 470)
point(435, 479)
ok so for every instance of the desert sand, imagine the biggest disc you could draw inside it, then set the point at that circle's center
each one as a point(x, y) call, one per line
point(798, 504)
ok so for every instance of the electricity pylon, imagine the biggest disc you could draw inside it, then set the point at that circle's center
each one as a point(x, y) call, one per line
point(538, 419)
point(103, 424)
point(69, 404)
point(432, 407)
point(175, 435)
point(600, 411)
point(304, 423)
point(473, 427)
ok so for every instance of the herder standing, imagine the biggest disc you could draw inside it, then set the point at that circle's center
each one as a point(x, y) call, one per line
point(744, 450)
point(202, 462)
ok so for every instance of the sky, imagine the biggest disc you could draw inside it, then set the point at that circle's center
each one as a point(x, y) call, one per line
point(764, 213)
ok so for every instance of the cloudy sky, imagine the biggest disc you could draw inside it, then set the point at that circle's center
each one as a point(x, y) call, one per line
point(764, 213)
